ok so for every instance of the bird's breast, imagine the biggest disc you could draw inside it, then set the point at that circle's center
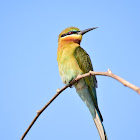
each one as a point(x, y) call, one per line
point(68, 66)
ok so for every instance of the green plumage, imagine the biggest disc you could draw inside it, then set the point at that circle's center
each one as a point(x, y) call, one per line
point(73, 61)
point(85, 65)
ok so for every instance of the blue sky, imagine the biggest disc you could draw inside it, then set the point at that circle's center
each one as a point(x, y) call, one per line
point(29, 74)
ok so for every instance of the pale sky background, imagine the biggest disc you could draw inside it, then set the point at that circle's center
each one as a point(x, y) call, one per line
point(29, 74)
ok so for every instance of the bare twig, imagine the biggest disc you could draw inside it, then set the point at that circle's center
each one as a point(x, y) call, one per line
point(109, 73)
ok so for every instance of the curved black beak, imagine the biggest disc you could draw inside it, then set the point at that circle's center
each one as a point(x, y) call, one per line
point(85, 31)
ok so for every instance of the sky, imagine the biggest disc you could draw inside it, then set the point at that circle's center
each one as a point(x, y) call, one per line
point(29, 75)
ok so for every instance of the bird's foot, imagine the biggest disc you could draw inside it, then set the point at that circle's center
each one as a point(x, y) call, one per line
point(74, 81)
point(70, 85)
point(71, 82)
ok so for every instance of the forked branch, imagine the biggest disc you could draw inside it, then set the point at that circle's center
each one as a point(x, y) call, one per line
point(109, 73)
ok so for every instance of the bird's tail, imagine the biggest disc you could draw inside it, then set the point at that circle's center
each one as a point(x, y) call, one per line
point(100, 127)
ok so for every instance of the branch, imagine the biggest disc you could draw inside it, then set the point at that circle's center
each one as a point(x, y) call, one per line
point(109, 74)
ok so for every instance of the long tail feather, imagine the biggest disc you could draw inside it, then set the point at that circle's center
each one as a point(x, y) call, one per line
point(100, 127)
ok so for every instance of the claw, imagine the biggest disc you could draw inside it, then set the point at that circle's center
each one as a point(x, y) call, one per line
point(70, 85)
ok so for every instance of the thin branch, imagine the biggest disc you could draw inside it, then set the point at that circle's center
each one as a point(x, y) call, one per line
point(109, 73)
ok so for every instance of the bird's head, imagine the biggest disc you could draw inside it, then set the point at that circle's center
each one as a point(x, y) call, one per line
point(73, 34)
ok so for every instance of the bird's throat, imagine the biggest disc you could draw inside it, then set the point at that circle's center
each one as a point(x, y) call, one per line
point(72, 39)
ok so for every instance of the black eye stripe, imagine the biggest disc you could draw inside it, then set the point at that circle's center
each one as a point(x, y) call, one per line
point(69, 33)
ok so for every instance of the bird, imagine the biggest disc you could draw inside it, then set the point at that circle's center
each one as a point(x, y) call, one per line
point(73, 61)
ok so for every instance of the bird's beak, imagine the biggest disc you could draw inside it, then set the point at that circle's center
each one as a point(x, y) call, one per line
point(85, 31)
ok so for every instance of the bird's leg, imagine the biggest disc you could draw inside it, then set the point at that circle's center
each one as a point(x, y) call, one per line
point(73, 81)
point(70, 83)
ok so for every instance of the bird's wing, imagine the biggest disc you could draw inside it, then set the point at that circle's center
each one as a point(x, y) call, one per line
point(85, 65)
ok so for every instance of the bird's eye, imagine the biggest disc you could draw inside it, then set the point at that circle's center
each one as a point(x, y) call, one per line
point(70, 33)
